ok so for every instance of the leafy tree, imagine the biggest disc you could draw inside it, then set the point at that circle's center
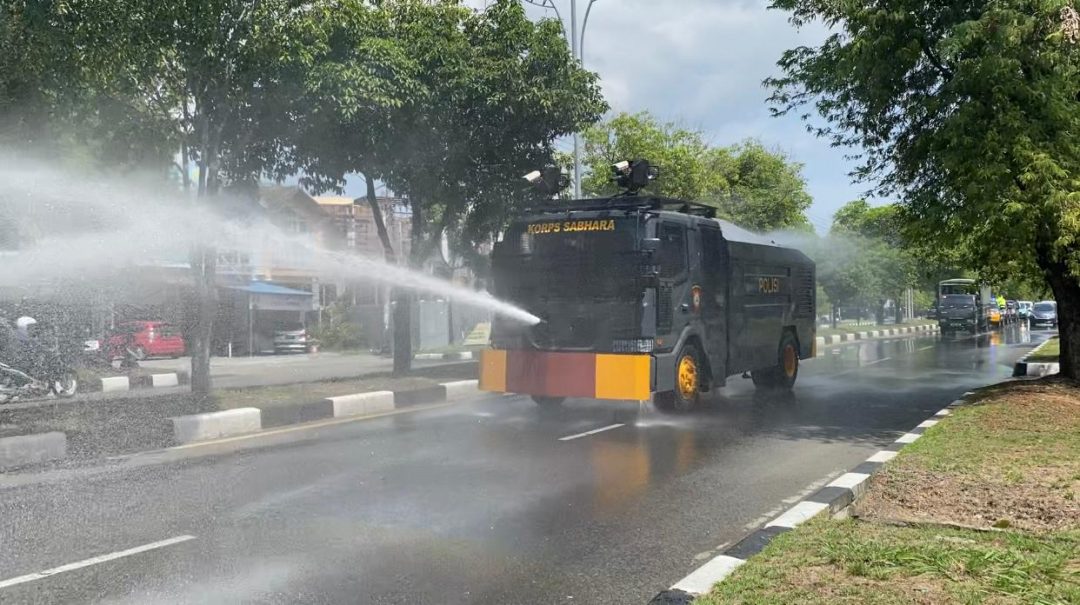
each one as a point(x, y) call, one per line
point(681, 154)
point(893, 262)
point(761, 189)
point(750, 185)
point(217, 80)
point(482, 97)
point(845, 272)
point(966, 111)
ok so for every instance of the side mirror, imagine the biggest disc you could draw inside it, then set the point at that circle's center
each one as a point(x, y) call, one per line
point(650, 244)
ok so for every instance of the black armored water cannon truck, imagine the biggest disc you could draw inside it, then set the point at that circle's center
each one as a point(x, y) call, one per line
point(641, 295)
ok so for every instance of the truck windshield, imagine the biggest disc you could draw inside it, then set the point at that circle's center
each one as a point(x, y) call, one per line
point(957, 301)
point(569, 259)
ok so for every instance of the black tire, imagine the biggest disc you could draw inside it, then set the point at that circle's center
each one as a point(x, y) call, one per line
point(781, 376)
point(548, 402)
point(687, 393)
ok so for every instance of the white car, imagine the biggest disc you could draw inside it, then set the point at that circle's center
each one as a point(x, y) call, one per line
point(291, 339)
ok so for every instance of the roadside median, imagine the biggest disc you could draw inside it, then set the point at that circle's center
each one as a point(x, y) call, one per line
point(980, 505)
point(828, 337)
point(1041, 361)
point(97, 429)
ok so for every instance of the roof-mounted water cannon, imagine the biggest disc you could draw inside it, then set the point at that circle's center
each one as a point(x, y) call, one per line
point(549, 181)
point(633, 176)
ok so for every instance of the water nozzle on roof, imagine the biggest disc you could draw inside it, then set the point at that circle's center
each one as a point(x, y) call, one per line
point(633, 176)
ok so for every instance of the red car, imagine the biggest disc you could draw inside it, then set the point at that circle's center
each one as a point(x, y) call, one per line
point(148, 339)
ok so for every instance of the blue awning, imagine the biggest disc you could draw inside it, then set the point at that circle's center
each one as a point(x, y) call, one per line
point(262, 287)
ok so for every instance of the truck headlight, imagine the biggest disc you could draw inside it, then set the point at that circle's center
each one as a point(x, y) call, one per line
point(633, 345)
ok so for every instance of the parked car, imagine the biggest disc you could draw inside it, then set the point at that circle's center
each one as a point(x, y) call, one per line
point(145, 339)
point(291, 338)
point(1044, 314)
point(1024, 308)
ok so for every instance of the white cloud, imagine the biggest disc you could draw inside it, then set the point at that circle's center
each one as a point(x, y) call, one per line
point(701, 63)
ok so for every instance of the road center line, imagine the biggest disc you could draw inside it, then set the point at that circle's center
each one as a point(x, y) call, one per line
point(592, 432)
point(926, 348)
point(94, 561)
point(870, 363)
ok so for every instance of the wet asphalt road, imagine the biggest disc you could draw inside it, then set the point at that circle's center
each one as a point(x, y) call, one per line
point(481, 502)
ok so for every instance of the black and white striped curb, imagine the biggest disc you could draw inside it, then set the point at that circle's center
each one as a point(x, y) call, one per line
point(834, 499)
point(113, 384)
point(1026, 368)
point(836, 339)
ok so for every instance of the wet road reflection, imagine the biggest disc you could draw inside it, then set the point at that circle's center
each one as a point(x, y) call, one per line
point(483, 502)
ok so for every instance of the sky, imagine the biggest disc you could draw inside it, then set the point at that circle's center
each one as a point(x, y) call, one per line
point(700, 63)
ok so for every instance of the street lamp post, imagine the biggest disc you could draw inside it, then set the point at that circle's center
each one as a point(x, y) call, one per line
point(577, 40)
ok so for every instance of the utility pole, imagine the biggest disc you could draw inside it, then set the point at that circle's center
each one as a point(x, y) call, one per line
point(577, 39)
point(575, 52)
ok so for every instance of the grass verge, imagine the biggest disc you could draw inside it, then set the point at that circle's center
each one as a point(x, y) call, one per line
point(1048, 353)
point(984, 508)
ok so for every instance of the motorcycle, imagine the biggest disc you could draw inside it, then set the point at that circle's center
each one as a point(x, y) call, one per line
point(33, 370)
point(16, 384)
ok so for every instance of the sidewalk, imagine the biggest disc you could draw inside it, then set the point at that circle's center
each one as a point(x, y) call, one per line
point(983, 508)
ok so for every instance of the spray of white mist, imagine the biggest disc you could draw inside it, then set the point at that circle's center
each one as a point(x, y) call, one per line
point(93, 228)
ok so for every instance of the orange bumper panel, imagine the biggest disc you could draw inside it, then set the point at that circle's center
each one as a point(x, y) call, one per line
point(565, 374)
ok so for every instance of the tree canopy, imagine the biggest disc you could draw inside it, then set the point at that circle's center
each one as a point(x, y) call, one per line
point(441, 102)
point(967, 113)
point(750, 184)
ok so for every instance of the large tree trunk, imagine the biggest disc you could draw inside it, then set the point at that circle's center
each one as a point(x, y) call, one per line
point(204, 267)
point(1066, 290)
point(388, 253)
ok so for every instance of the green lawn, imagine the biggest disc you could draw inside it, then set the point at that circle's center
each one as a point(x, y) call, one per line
point(984, 508)
point(1047, 353)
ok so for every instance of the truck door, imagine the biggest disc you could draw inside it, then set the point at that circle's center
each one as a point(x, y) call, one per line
point(714, 285)
point(673, 297)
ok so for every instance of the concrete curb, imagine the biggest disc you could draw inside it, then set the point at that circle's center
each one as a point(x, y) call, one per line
point(111, 384)
point(1025, 368)
point(825, 341)
point(214, 425)
point(835, 499)
point(32, 449)
point(457, 355)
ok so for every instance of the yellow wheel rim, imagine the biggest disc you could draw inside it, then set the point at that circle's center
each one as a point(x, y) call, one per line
point(688, 378)
point(791, 361)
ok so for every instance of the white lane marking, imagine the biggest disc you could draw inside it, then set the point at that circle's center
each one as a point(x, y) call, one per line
point(592, 432)
point(925, 348)
point(797, 514)
point(849, 480)
point(94, 561)
point(870, 363)
point(925, 424)
point(882, 456)
point(908, 438)
point(701, 580)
